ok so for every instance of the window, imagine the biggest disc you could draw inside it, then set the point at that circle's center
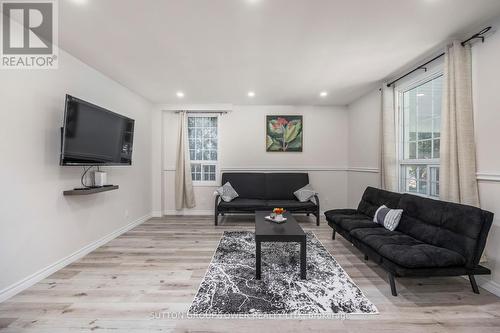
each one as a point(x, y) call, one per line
point(203, 148)
point(420, 107)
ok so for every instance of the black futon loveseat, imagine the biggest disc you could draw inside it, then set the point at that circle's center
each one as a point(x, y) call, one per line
point(265, 191)
point(433, 238)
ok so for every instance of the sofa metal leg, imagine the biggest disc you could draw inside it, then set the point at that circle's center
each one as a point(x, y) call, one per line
point(333, 234)
point(308, 214)
point(366, 257)
point(473, 284)
point(317, 219)
point(393, 285)
point(216, 218)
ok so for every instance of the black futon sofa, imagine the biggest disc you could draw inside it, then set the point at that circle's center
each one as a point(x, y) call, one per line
point(265, 191)
point(433, 238)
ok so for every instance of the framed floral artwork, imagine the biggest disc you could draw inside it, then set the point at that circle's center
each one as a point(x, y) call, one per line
point(284, 133)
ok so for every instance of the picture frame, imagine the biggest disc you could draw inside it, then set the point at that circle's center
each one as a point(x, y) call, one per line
point(284, 133)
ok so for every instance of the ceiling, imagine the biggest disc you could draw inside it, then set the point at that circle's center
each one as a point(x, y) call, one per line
point(286, 51)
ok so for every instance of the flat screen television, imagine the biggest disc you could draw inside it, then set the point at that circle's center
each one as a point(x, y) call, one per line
point(92, 135)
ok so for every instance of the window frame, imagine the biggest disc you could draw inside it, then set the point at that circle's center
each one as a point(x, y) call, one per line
point(400, 89)
point(203, 183)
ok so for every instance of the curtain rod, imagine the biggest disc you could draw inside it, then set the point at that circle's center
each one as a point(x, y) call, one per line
point(478, 35)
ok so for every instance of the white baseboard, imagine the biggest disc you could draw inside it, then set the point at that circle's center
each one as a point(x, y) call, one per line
point(488, 284)
point(157, 213)
point(45, 272)
point(189, 212)
point(203, 212)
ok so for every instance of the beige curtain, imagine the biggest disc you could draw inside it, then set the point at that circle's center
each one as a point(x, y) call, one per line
point(184, 194)
point(458, 181)
point(388, 134)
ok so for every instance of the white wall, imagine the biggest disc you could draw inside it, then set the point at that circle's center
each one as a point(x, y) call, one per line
point(486, 80)
point(364, 146)
point(365, 112)
point(242, 147)
point(38, 225)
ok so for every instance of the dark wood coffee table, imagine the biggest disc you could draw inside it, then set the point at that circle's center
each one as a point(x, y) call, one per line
point(289, 231)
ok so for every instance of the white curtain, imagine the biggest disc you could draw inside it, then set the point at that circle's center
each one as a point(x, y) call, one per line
point(388, 134)
point(458, 181)
point(184, 194)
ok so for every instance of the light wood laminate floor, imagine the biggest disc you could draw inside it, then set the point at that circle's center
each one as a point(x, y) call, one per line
point(158, 266)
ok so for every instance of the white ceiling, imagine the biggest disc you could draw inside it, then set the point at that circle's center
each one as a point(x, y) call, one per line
point(287, 51)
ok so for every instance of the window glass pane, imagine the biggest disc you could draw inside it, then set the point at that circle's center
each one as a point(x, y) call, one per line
point(422, 120)
point(425, 129)
point(213, 122)
point(424, 149)
point(436, 127)
point(196, 171)
point(206, 155)
point(435, 148)
point(213, 143)
point(213, 155)
point(409, 178)
point(199, 155)
point(422, 172)
point(412, 153)
point(434, 181)
point(422, 187)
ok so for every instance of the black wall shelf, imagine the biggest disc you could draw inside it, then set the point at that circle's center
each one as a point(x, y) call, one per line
point(91, 190)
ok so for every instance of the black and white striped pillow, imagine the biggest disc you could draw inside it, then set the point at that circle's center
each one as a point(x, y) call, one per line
point(388, 218)
point(305, 193)
point(227, 192)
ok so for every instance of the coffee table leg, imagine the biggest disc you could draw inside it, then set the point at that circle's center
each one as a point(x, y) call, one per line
point(303, 263)
point(257, 260)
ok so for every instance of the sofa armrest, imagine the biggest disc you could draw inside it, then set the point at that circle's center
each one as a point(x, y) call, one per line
point(216, 209)
point(342, 212)
point(316, 198)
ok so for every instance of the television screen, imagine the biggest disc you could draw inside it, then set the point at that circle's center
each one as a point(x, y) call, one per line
point(92, 135)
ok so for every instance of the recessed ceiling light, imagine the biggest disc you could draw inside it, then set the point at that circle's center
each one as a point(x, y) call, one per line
point(323, 94)
point(180, 94)
point(80, 2)
point(420, 95)
point(251, 94)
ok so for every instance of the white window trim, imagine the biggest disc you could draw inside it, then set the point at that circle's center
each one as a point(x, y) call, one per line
point(400, 89)
point(216, 182)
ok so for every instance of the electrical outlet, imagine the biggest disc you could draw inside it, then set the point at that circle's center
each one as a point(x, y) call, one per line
point(126, 213)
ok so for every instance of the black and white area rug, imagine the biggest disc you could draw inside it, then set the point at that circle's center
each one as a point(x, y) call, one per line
point(229, 286)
